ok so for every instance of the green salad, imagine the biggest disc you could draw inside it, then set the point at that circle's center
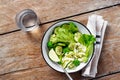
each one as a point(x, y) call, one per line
point(69, 47)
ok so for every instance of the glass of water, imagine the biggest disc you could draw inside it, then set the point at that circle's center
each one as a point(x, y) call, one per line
point(27, 20)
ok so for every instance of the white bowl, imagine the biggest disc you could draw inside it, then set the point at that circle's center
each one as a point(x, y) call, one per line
point(45, 50)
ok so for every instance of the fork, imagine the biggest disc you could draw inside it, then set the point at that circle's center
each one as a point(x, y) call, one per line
point(67, 74)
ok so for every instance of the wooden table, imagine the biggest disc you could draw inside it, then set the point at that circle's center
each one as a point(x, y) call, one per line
point(20, 52)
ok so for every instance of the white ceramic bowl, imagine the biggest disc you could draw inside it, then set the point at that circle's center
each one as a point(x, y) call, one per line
point(45, 50)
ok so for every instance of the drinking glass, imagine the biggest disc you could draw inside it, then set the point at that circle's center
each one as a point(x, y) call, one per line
point(27, 20)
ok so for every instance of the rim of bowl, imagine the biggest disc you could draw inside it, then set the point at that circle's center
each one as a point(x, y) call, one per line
point(53, 25)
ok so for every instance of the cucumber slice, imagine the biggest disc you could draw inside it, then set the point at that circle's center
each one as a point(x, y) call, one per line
point(53, 56)
point(71, 46)
point(61, 44)
point(58, 50)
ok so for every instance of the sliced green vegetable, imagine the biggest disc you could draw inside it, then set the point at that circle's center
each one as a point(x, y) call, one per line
point(61, 44)
point(71, 46)
point(58, 50)
point(60, 57)
point(53, 56)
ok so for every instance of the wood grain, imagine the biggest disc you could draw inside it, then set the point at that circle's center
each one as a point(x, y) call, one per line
point(46, 10)
point(43, 73)
point(111, 77)
point(19, 51)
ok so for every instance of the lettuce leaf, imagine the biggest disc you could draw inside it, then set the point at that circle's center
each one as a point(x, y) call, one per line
point(64, 33)
point(71, 27)
point(89, 50)
point(87, 39)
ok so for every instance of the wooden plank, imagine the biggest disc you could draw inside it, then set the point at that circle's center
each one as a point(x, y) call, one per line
point(111, 77)
point(43, 73)
point(19, 51)
point(46, 10)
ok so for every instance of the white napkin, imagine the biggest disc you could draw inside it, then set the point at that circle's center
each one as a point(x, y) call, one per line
point(97, 26)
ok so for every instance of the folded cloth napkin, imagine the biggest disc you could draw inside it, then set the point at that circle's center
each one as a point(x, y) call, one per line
point(97, 26)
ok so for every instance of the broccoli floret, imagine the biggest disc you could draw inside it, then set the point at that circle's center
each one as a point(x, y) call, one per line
point(66, 50)
point(49, 44)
